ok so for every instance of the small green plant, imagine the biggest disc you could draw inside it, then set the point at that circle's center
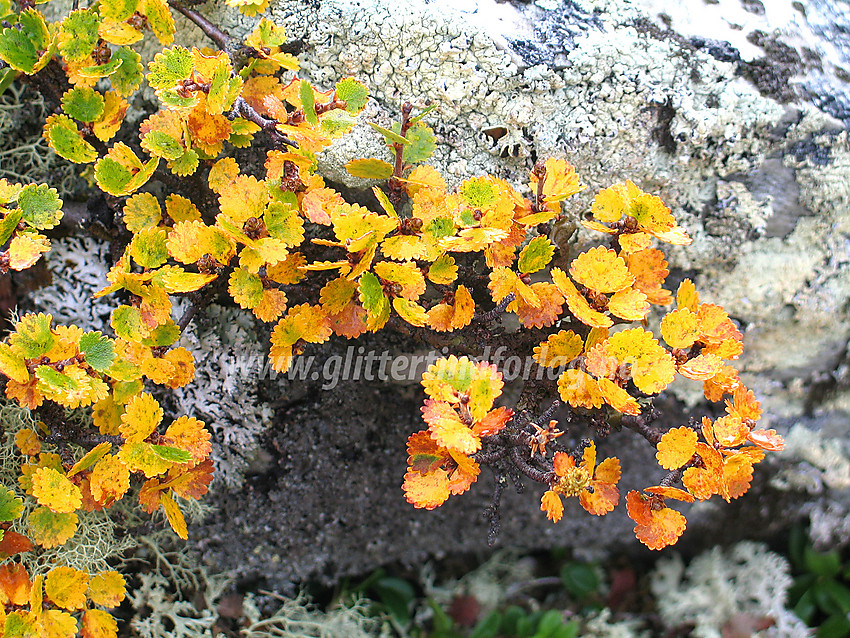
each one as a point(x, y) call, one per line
point(820, 595)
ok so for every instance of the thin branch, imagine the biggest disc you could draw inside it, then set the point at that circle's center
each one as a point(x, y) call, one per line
point(241, 108)
point(494, 314)
point(215, 34)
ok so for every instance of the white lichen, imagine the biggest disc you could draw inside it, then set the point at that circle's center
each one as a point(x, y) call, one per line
point(720, 585)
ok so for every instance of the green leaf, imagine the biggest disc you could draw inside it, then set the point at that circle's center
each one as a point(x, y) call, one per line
point(396, 595)
point(7, 76)
point(33, 25)
point(839, 594)
point(128, 77)
point(422, 144)
point(510, 620)
point(171, 454)
point(283, 222)
point(441, 621)
point(422, 115)
point(148, 248)
point(163, 145)
point(121, 172)
point(826, 564)
point(580, 580)
point(64, 138)
point(223, 90)
point(78, 34)
point(83, 104)
point(10, 505)
point(805, 608)
point(487, 627)
point(186, 164)
point(169, 67)
point(98, 350)
point(163, 335)
point(836, 626)
point(354, 93)
point(33, 337)
point(550, 622)
point(369, 168)
point(118, 10)
point(390, 137)
point(9, 224)
point(337, 122)
point(270, 34)
point(308, 102)
point(536, 255)
point(102, 70)
point(127, 323)
point(17, 51)
point(371, 293)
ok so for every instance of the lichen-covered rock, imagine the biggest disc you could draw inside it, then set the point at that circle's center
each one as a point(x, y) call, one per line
point(741, 130)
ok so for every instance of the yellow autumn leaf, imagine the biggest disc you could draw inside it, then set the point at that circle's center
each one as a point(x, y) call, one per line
point(53, 490)
point(107, 589)
point(140, 418)
point(601, 270)
point(174, 515)
point(676, 447)
point(66, 587)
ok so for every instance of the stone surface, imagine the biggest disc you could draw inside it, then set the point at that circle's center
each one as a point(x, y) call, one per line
point(733, 112)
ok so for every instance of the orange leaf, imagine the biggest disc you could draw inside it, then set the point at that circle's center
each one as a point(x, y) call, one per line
point(109, 480)
point(188, 433)
point(493, 422)
point(618, 398)
point(766, 439)
point(14, 584)
point(426, 491)
point(744, 405)
point(552, 505)
point(447, 429)
point(576, 302)
point(629, 304)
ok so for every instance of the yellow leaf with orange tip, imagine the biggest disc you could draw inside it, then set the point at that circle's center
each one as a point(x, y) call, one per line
point(600, 362)
point(561, 180)
point(66, 587)
point(53, 490)
point(602, 228)
point(744, 405)
point(715, 324)
point(141, 417)
point(635, 242)
point(629, 304)
point(729, 431)
point(687, 296)
point(558, 349)
point(107, 588)
point(466, 473)
point(725, 349)
point(724, 382)
point(602, 270)
point(424, 176)
point(679, 328)
point(447, 429)
point(605, 495)
point(25, 249)
point(577, 304)
point(318, 203)
point(99, 624)
point(551, 503)
point(676, 447)
point(652, 367)
point(406, 275)
point(767, 440)
point(181, 209)
point(652, 215)
point(737, 475)
point(109, 480)
point(446, 317)
point(472, 239)
point(650, 270)
point(670, 492)
point(189, 241)
point(618, 398)
point(183, 367)
point(192, 482)
point(705, 482)
point(426, 491)
point(701, 368)
point(543, 311)
point(503, 281)
point(656, 528)
point(174, 515)
point(188, 433)
point(27, 442)
point(579, 389)
point(15, 584)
